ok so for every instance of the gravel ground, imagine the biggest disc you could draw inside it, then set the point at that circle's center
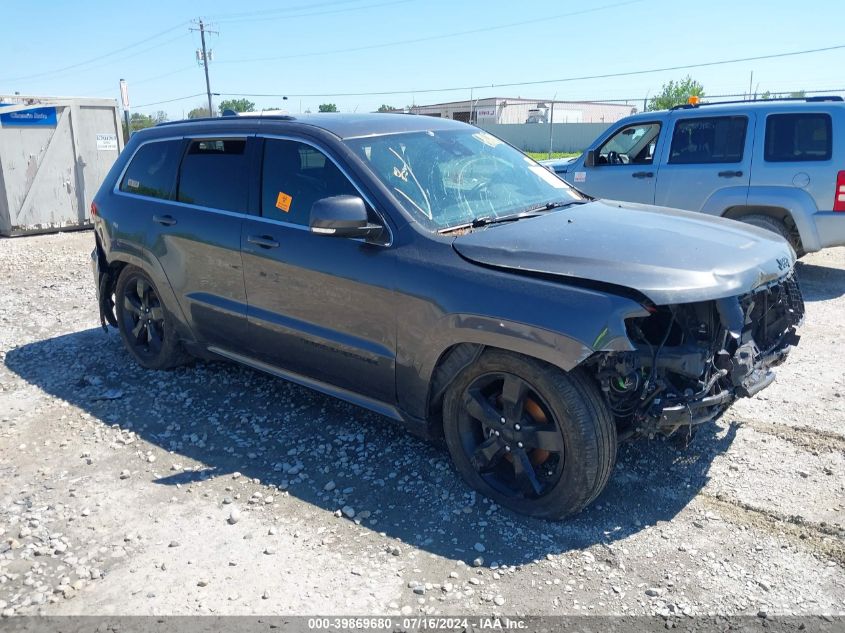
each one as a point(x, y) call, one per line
point(216, 489)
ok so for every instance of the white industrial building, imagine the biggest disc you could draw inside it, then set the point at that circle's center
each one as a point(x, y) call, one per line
point(518, 110)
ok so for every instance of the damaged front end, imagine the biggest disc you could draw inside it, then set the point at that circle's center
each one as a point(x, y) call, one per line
point(693, 360)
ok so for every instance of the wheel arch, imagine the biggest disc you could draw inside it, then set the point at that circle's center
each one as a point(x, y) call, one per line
point(781, 214)
point(119, 260)
point(458, 357)
point(791, 205)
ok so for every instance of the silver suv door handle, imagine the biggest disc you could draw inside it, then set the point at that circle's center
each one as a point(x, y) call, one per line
point(730, 174)
point(166, 220)
point(264, 241)
point(643, 174)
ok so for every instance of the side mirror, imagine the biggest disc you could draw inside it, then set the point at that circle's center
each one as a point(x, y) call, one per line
point(590, 158)
point(342, 216)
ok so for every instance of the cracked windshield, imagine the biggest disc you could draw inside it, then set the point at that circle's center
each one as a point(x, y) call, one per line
point(450, 179)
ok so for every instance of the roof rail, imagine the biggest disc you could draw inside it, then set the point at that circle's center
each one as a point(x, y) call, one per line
point(230, 118)
point(814, 99)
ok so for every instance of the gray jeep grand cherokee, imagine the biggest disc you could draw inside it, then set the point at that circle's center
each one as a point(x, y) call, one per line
point(428, 271)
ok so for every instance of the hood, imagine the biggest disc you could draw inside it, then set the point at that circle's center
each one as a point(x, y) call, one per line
point(559, 165)
point(668, 255)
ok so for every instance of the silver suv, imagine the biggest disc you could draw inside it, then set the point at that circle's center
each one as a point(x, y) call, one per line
point(777, 164)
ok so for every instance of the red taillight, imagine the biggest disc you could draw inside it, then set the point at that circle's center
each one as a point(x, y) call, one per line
point(94, 210)
point(839, 196)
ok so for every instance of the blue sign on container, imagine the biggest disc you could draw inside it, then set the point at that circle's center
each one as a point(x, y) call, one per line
point(42, 117)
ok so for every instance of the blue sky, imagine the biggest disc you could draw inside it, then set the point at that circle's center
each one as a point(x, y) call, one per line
point(299, 47)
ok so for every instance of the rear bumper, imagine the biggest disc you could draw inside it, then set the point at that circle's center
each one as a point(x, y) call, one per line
point(95, 269)
point(831, 228)
point(104, 286)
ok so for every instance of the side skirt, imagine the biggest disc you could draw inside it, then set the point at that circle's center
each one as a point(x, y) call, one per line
point(418, 427)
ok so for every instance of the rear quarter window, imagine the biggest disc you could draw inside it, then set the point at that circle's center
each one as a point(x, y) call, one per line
point(152, 170)
point(798, 137)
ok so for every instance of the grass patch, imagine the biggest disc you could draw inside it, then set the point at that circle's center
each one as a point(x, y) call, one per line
point(545, 155)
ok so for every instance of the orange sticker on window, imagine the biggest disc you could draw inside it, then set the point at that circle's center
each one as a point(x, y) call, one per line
point(283, 201)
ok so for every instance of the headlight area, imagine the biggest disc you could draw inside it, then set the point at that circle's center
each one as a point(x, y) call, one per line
point(691, 361)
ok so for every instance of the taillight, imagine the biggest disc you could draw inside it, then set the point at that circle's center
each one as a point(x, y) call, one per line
point(94, 210)
point(839, 197)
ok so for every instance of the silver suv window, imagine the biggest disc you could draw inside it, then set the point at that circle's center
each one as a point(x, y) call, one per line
point(632, 145)
point(718, 139)
point(798, 137)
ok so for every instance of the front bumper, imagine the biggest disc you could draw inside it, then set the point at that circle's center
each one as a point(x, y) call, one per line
point(717, 352)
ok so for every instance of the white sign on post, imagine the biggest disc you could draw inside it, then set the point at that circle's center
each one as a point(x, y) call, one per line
point(106, 142)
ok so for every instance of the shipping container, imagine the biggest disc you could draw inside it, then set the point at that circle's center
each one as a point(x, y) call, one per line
point(54, 153)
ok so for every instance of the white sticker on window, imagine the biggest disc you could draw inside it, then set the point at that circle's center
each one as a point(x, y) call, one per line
point(133, 184)
point(580, 176)
point(548, 176)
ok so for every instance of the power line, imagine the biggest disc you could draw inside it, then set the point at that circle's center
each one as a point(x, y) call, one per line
point(97, 58)
point(147, 105)
point(141, 81)
point(288, 16)
point(547, 81)
point(430, 38)
point(225, 16)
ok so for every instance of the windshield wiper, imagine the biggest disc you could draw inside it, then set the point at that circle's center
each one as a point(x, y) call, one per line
point(527, 213)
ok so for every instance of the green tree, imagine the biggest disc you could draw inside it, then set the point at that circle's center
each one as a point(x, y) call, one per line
point(236, 105)
point(138, 121)
point(327, 107)
point(385, 108)
point(200, 112)
point(676, 93)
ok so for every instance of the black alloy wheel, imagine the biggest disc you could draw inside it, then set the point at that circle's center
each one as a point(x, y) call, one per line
point(512, 437)
point(142, 317)
point(145, 325)
point(535, 439)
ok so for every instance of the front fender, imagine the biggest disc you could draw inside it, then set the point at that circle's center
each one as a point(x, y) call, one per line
point(553, 334)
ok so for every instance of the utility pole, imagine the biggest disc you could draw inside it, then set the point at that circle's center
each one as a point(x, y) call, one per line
point(552, 124)
point(124, 99)
point(204, 58)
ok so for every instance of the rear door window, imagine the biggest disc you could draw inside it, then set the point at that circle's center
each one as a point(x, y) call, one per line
point(294, 177)
point(215, 174)
point(152, 171)
point(798, 137)
point(709, 140)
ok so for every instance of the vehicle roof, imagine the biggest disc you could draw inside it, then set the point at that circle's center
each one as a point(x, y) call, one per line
point(792, 105)
point(344, 126)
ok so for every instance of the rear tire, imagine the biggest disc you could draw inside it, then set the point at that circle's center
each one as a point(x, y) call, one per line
point(556, 448)
point(775, 226)
point(145, 325)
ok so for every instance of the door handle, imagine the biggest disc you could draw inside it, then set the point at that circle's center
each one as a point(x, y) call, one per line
point(264, 241)
point(643, 174)
point(166, 220)
point(730, 174)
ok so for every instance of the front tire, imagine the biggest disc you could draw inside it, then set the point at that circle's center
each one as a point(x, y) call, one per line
point(145, 325)
point(533, 438)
